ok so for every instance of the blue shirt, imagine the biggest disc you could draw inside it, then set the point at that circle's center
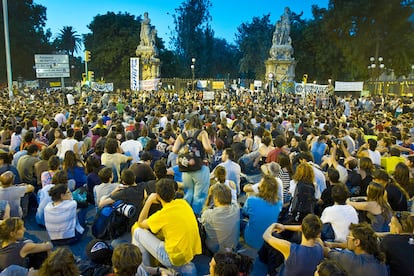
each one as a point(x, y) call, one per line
point(261, 214)
point(302, 260)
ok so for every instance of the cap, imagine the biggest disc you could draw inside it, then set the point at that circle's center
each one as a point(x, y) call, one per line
point(99, 251)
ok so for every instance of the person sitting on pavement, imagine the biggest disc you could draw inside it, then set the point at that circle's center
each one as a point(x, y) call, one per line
point(14, 249)
point(362, 256)
point(303, 258)
point(178, 248)
point(221, 221)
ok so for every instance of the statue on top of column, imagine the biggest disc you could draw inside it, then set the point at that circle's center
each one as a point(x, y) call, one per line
point(281, 41)
point(147, 50)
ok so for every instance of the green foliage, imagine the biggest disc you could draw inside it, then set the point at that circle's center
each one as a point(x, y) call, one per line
point(360, 29)
point(254, 40)
point(27, 37)
point(68, 40)
point(112, 41)
point(193, 36)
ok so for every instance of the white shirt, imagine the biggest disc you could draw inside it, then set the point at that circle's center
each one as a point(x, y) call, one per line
point(340, 217)
point(71, 99)
point(61, 221)
point(67, 144)
point(375, 157)
point(132, 148)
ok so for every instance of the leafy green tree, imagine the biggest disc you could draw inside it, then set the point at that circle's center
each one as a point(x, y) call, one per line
point(27, 37)
point(68, 40)
point(254, 40)
point(112, 41)
point(193, 37)
point(360, 29)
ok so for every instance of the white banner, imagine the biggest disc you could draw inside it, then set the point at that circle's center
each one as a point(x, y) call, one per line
point(102, 87)
point(208, 95)
point(311, 88)
point(134, 74)
point(257, 83)
point(349, 86)
point(150, 85)
point(31, 84)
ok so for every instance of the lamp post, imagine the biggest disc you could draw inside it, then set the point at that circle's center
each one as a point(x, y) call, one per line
point(193, 60)
point(376, 67)
point(412, 71)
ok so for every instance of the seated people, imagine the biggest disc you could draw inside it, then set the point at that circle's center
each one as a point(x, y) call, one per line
point(229, 263)
point(362, 256)
point(399, 245)
point(377, 208)
point(177, 224)
point(129, 192)
point(303, 258)
point(60, 262)
point(340, 215)
point(60, 216)
point(221, 222)
point(261, 210)
point(60, 177)
point(14, 249)
point(4, 210)
point(13, 194)
point(106, 187)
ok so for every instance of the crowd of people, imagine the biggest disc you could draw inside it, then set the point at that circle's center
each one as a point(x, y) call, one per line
point(247, 179)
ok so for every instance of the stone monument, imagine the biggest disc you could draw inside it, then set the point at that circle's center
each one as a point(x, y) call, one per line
point(147, 51)
point(280, 66)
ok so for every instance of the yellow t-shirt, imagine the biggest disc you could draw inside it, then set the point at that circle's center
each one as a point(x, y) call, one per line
point(178, 225)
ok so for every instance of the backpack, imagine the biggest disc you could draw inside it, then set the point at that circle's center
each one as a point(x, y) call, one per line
point(303, 201)
point(109, 224)
point(191, 154)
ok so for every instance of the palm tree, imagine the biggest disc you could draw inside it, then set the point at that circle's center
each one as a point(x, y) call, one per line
point(68, 40)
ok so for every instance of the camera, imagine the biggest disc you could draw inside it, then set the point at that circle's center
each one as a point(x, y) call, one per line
point(337, 141)
point(125, 209)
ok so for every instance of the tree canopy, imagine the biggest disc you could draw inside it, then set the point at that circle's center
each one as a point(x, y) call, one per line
point(27, 37)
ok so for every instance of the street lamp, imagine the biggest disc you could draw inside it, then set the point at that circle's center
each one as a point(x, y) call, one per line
point(193, 60)
point(412, 71)
point(376, 67)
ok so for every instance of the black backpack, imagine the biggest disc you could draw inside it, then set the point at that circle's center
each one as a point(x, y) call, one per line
point(191, 154)
point(303, 201)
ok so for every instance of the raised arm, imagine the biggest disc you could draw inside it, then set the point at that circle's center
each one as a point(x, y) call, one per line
point(282, 245)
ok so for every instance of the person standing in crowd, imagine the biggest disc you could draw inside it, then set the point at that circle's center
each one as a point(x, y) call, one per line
point(196, 183)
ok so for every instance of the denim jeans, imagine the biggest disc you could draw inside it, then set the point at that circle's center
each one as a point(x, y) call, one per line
point(196, 186)
point(149, 245)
